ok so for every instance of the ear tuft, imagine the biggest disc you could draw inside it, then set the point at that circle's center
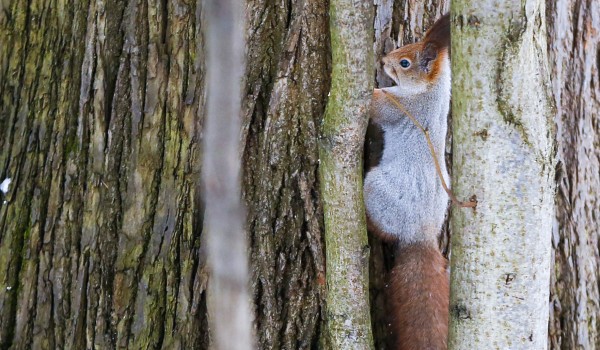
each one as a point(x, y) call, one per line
point(438, 36)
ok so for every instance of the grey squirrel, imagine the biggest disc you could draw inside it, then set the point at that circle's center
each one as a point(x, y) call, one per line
point(404, 197)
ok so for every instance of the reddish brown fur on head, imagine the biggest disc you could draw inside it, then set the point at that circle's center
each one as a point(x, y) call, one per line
point(425, 59)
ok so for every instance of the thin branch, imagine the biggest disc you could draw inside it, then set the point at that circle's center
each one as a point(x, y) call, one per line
point(230, 313)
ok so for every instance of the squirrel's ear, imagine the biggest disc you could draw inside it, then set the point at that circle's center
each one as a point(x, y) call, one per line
point(439, 33)
point(429, 54)
point(436, 39)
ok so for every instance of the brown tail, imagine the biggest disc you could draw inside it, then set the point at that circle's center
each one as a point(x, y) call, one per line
point(418, 299)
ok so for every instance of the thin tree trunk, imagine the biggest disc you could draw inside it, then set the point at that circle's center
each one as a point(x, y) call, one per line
point(502, 153)
point(574, 50)
point(229, 300)
point(348, 318)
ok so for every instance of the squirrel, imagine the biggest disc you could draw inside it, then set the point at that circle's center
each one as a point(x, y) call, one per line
point(404, 198)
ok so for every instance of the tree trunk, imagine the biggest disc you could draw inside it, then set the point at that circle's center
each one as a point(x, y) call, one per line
point(229, 304)
point(503, 153)
point(348, 321)
point(100, 227)
point(288, 69)
point(574, 50)
point(99, 236)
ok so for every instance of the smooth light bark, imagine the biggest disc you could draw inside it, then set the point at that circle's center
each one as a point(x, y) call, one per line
point(348, 321)
point(502, 153)
point(230, 312)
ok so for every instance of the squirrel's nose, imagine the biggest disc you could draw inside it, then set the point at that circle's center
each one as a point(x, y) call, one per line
point(383, 61)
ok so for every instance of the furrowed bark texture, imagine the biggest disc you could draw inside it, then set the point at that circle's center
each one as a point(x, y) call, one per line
point(396, 23)
point(574, 50)
point(503, 153)
point(99, 236)
point(348, 318)
point(287, 74)
point(230, 312)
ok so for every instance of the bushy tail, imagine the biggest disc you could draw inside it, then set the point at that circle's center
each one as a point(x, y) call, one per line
point(418, 296)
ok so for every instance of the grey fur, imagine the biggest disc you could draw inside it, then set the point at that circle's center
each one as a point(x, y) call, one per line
point(404, 196)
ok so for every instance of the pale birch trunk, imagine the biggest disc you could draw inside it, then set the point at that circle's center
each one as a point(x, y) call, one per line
point(503, 153)
point(348, 320)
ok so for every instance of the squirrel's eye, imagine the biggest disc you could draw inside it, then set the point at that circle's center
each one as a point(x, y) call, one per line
point(405, 63)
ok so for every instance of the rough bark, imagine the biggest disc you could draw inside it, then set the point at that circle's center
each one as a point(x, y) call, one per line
point(503, 153)
point(228, 302)
point(348, 320)
point(574, 50)
point(99, 241)
point(287, 76)
point(100, 228)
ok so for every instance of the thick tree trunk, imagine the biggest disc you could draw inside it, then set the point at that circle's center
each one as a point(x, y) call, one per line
point(503, 153)
point(574, 50)
point(288, 69)
point(99, 241)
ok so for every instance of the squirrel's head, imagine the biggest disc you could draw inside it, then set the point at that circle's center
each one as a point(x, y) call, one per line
point(416, 67)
